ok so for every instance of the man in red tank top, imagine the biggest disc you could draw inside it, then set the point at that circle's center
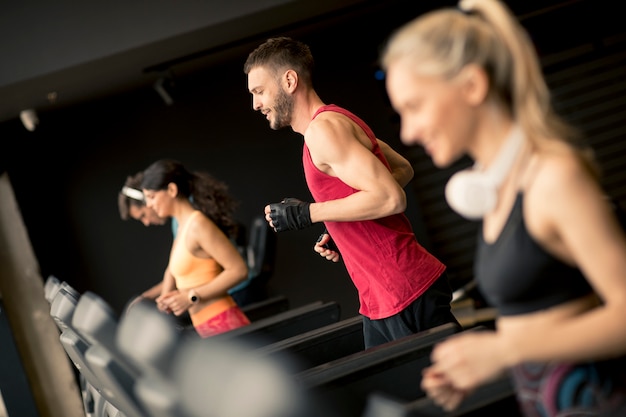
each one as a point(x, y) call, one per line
point(357, 182)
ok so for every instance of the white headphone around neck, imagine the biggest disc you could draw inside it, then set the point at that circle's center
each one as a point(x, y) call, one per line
point(473, 193)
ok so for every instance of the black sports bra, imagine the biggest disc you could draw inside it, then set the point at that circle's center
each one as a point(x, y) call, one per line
point(516, 276)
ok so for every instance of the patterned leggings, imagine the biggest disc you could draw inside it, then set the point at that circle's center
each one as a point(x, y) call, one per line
point(223, 322)
point(572, 390)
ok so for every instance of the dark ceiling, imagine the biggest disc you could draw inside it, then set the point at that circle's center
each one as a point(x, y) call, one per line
point(147, 48)
point(230, 32)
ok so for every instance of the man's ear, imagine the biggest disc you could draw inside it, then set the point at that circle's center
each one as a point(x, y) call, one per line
point(290, 81)
point(474, 84)
point(172, 190)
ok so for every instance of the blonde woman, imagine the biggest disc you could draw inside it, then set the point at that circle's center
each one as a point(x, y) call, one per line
point(551, 256)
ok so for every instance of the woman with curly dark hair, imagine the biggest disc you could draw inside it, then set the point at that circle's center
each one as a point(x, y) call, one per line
point(204, 262)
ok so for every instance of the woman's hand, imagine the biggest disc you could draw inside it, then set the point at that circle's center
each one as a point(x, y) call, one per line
point(173, 302)
point(441, 391)
point(462, 363)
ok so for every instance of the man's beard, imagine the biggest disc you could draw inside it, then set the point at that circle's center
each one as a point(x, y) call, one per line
point(283, 111)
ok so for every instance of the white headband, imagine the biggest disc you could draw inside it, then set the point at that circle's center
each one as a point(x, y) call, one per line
point(133, 193)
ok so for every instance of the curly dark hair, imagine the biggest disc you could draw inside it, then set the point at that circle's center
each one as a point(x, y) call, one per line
point(205, 192)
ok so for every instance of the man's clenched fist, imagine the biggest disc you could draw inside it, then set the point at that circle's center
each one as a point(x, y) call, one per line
point(289, 214)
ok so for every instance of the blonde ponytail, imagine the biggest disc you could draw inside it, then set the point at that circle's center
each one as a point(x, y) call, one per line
point(485, 33)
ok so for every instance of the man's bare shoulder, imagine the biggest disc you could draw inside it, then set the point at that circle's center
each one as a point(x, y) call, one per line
point(336, 127)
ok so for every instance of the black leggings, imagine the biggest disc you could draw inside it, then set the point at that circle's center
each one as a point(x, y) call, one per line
point(429, 310)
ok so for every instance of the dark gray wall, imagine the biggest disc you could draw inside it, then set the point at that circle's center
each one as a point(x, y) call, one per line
point(67, 173)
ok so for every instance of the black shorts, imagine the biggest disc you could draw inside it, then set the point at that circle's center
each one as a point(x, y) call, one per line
point(429, 310)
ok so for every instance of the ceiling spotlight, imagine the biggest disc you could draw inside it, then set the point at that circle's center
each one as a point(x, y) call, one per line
point(163, 86)
point(29, 119)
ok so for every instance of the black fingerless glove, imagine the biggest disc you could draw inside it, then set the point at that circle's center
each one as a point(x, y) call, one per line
point(330, 245)
point(290, 214)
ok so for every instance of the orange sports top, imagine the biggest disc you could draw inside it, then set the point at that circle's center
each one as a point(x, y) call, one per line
point(190, 271)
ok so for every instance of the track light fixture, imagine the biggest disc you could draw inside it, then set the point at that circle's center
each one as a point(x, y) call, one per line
point(161, 86)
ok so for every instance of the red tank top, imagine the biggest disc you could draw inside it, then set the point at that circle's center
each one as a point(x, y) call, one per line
point(387, 265)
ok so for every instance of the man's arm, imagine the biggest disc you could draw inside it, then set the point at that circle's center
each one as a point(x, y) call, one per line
point(337, 151)
point(401, 168)
point(153, 292)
